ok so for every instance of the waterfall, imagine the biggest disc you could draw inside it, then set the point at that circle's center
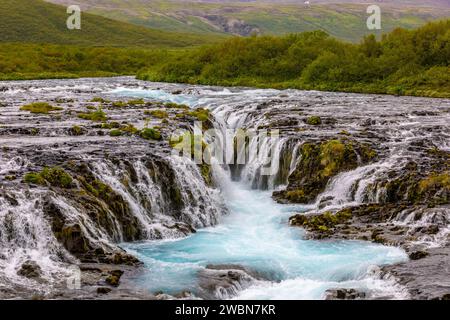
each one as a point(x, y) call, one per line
point(25, 235)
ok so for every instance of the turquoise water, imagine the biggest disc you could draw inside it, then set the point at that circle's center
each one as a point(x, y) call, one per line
point(256, 234)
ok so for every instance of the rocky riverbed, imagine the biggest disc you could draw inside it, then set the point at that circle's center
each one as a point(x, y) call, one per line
point(90, 166)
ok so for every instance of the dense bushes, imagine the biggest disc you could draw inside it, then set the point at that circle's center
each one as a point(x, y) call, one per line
point(402, 62)
point(36, 61)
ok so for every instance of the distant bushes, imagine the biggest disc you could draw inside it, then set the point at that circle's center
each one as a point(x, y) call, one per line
point(402, 62)
point(42, 61)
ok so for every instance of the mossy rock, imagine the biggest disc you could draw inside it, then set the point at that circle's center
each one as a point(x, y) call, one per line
point(319, 163)
point(160, 114)
point(321, 223)
point(314, 121)
point(40, 107)
point(150, 134)
point(115, 133)
point(96, 116)
point(136, 102)
point(76, 131)
point(55, 176)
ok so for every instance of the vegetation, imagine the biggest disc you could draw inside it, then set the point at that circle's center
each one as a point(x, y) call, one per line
point(342, 20)
point(136, 101)
point(322, 222)
point(38, 21)
point(40, 107)
point(314, 121)
point(115, 133)
point(22, 61)
point(55, 176)
point(150, 134)
point(97, 116)
point(402, 62)
point(200, 113)
point(160, 114)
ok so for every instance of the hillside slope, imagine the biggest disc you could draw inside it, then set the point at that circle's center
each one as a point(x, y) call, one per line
point(344, 19)
point(37, 21)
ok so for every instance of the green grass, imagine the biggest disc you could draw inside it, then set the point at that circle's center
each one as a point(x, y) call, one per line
point(37, 21)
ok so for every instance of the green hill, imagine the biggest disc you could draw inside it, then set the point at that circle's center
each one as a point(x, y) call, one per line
point(343, 20)
point(36, 21)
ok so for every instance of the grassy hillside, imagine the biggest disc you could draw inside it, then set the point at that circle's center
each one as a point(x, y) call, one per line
point(403, 62)
point(343, 20)
point(41, 22)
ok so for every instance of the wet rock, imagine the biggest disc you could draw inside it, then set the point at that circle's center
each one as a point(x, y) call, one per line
point(319, 163)
point(426, 278)
point(114, 278)
point(344, 294)
point(224, 281)
point(30, 269)
point(417, 255)
point(103, 290)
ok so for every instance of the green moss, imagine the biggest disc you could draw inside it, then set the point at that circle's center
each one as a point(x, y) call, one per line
point(99, 99)
point(40, 107)
point(322, 223)
point(200, 113)
point(118, 104)
point(150, 134)
point(205, 171)
point(435, 181)
point(136, 101)
point(91, 107)
point(115, 133)
point(297, 196)
point(129, 128)
point(34, 131)
point(76, 131)
point(110, 125)
point(333, 155)
point(314, 121)
point(160, 114)
point(97, 116)
point(55, 176)
point(173, 105)
point(33, 177)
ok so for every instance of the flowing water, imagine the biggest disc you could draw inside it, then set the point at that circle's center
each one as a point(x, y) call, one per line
point(255, 233)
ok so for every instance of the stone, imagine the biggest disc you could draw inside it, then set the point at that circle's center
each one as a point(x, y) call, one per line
point(344, 294)
point(103, 290)
point(30, 269)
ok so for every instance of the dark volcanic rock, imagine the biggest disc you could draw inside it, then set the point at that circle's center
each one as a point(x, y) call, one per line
point(30, 269)
point(427, 278)
point(344, 294)
point(224, 281)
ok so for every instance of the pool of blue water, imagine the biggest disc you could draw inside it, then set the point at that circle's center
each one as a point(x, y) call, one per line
point(256, 234)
